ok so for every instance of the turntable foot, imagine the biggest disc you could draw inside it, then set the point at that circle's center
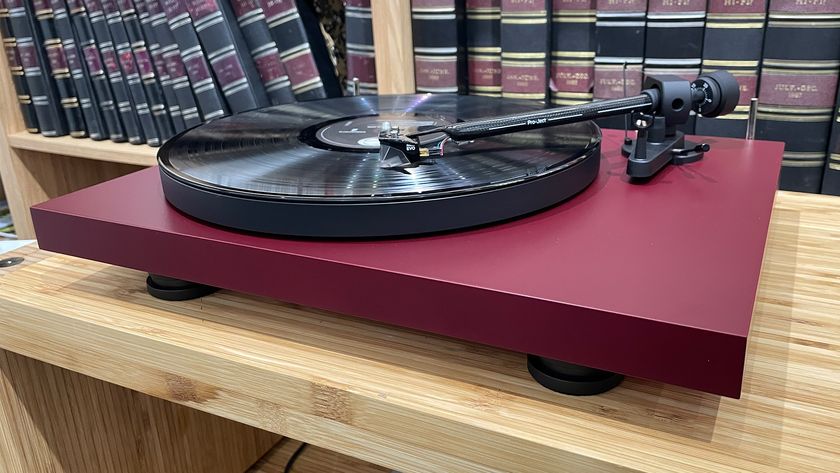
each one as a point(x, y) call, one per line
point(171, 289)
point(568, 378)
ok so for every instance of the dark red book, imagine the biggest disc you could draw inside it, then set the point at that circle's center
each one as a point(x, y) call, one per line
point(525, 47)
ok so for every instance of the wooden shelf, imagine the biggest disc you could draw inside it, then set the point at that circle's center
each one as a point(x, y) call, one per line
point(124, 153)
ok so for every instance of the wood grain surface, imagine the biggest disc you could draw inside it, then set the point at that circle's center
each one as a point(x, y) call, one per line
point(416, 402)
point(391, 20)
point(311, 460)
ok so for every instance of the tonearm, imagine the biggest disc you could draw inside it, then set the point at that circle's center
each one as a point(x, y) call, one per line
point(665, 102)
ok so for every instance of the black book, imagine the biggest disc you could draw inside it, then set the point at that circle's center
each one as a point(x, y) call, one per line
point(167, 50)
point(619, 52)
point(84, 89)
point(831, 173)
point(207, 93)
point(59, 68)
point(572, 52)
point(361, 60)
point(100, 82)
point(173, 107)
point(108, 10)
point(798, 86)
point(27, 108)
point(264, 51)
point(526, 42)
point(41, 88)
point(228, 54)
point(733, 42)
point(303, 55)
point(484, 49)
point(101, 41)
point(146, 69)
point(439, 60)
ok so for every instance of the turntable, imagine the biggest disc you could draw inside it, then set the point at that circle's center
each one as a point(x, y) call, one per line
point(529, 230)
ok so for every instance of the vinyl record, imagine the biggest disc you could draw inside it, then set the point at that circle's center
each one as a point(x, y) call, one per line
point(312, 169)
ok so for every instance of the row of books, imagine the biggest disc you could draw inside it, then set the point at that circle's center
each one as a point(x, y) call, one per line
point(785, 52)
point(143, 70)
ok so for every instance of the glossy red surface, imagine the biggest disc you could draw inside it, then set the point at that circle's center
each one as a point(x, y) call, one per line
point(655, 280)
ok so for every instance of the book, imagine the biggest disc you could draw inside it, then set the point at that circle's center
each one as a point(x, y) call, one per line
point(484, 48)
point(264, 52)
point(228, 55)
point(361, 61)
point(94, 122)
point(59, 69)
point(111, 62)
point(798, 85)
point(102, 91)
point(210, 101)
point(831, 171)
point(289, 32)
point(572, 73)
point(32, 58)
point(525, 46)
point(169, 53)
point(733, 41)
point(438, 63)
point(619, 52)
point(108, 12)
point(27, 108)
point(173, 106)
point(145, 67)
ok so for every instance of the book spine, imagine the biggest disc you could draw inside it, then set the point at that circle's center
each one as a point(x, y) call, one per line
point(674, 42)
point(103, 41)
point(619, 52)
point(173, 107)
point(264, 52)
point(105, 99)
point(525, 47)
point(41, 89)
point(27, 108)
point(831, 172)
point(84, 90)
point(59, 68)
point(228, 55)
point(572, 52)
point(287, 29)
point(733, 41)
point(146, 69)
point(175, 68)
point(438, 66)
point(798, 85)
point(128, 65)
point(361, 61)
point(484, 49)
point(207, 94)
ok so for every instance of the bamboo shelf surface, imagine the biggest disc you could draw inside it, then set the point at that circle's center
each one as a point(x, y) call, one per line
point(417, 402)
point(123, 153)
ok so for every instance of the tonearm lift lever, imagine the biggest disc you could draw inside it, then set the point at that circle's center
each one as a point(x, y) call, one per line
point(665, 102)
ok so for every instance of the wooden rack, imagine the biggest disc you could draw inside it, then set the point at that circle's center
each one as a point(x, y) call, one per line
point(35, 168)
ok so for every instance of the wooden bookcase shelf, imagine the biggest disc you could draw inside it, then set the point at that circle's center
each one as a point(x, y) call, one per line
point(34, 168)
point(108, 151)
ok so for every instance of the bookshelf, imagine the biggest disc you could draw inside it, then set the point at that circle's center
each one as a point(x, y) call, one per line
point(35, 168)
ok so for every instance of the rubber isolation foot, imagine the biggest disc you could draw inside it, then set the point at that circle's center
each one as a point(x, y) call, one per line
point(171, 289)
point(568, 378)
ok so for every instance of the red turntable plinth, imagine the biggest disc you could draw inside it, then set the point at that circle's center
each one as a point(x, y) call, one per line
point(654, 280)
